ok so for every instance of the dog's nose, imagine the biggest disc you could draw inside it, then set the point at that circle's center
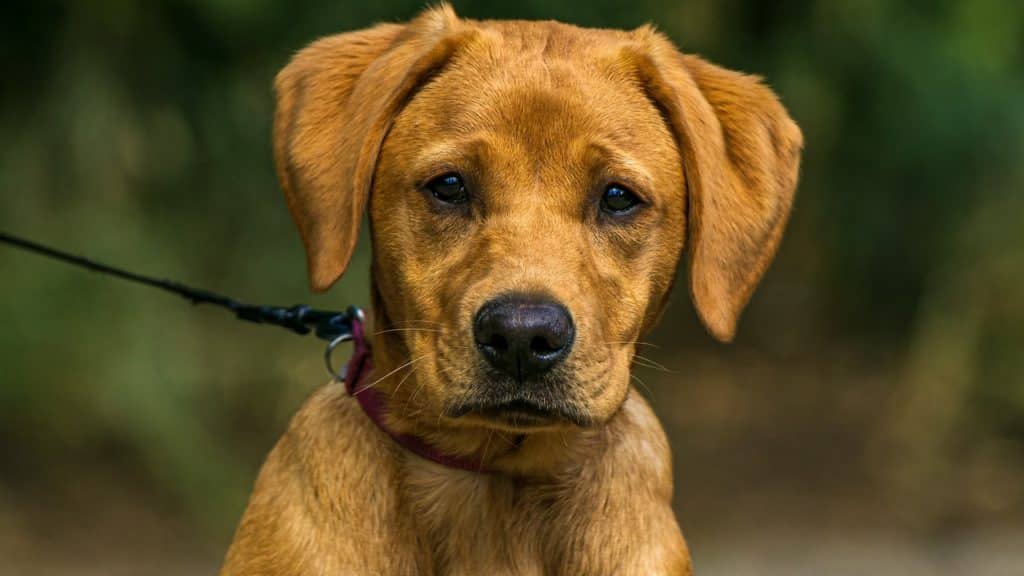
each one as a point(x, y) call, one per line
point(523, 337)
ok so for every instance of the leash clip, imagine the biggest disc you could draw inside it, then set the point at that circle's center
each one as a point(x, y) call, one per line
point(355, 314)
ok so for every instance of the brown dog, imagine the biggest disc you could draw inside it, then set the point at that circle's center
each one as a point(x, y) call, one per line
point(530, 187)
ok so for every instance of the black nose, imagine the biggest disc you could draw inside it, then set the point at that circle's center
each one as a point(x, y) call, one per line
point(522, 336)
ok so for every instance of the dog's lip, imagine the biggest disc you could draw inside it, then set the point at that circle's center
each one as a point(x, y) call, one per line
point(518, 407)
point(519, 412)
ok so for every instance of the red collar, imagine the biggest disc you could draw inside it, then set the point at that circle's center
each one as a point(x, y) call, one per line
point(372, 402)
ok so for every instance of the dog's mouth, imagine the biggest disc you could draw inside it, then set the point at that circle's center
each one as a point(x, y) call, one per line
point(519, 413)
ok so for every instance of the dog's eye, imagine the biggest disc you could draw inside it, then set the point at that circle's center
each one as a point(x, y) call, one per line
point(618, 200)
point(449, 188)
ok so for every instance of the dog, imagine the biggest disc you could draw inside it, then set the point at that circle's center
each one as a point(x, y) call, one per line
point(531, 188)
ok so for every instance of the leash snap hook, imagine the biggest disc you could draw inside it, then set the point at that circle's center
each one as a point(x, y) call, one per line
point(339, 376)
point(354, 318)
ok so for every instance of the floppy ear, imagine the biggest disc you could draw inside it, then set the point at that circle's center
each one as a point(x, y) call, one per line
point(741, 158)
point(336, 100)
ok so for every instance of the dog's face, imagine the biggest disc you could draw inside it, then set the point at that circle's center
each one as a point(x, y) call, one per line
point(530, 186)
point(527, 214)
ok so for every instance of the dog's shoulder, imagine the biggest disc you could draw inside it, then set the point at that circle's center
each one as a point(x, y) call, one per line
point(327, 480)
point(331, 442)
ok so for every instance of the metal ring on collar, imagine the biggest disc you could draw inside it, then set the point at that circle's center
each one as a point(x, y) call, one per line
point(339, 376)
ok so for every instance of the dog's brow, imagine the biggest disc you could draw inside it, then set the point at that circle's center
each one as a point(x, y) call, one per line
point(449, 154)
point(622, 163)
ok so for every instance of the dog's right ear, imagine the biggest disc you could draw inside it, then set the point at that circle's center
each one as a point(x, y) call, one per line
point(336, 100)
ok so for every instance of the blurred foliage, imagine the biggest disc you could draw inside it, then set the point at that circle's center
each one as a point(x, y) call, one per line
point(138, 133)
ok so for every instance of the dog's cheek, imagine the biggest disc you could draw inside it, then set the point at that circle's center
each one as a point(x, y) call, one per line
point(597, 373)
point(611, 389)
point(407, 252)
point(644, 274)
point(618, 289)
point(438, 385)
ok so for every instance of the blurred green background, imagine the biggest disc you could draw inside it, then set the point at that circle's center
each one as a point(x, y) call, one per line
point(869, 417)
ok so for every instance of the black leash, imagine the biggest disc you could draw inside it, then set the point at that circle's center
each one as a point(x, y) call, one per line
point(330, 325)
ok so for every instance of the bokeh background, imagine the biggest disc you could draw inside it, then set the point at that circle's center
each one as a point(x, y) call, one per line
point(869, 417)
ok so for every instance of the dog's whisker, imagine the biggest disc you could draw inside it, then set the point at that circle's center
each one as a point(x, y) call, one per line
point(504, 438)
point(406, 330)
point(412, 414)
point(650, 367)
point(644, 363)
point(409, 322)
point(651, 362)
point(440, 414)
point(483, 457)
point(379, 380)
point(641, 365)
point(413, 398)
point(402, 381)
point(409, 401)
point(642, 383)
point(633, 342)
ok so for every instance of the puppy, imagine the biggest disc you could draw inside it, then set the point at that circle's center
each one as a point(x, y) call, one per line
point(530, 187)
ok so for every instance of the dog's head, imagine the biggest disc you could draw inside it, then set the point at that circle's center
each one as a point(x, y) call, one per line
point(531, 186)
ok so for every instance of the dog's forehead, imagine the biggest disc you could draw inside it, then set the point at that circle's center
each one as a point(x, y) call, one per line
point(550, 65)
point(543, 85)
point(550, 38)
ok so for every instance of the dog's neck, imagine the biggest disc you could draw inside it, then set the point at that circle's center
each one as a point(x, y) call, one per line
point(539, 453)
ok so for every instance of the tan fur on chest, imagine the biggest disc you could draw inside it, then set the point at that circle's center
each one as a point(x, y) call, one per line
point(327, 503)
point(493, 524)
point(476, 524)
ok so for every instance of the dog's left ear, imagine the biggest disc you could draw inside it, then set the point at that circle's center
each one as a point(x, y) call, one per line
point(741, 157)
point(336, 100)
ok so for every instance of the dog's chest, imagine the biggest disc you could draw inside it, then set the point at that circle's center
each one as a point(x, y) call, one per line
point(477, 524)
